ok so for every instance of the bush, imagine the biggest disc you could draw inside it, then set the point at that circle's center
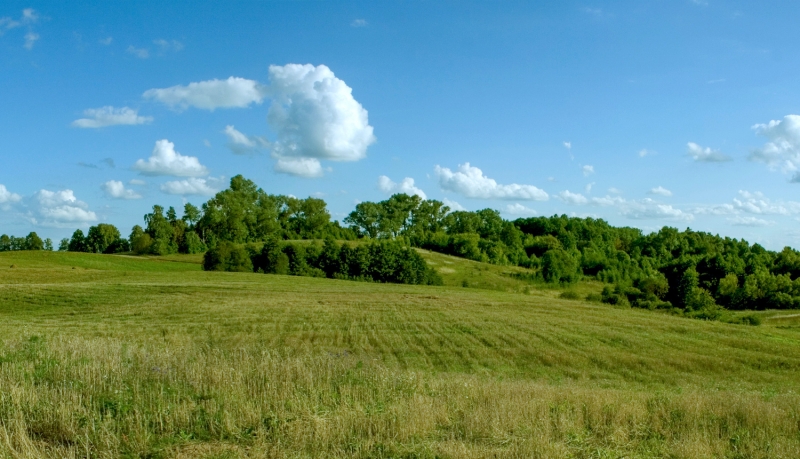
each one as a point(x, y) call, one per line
point(191, 243)
point(747, 319)
point(569, 295)
point(559, 266)
point(227, 257)
point(594, 297)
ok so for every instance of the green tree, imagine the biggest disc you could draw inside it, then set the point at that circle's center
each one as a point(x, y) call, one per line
point(559, 266)
point(102, 238)
point(33, 242)
point(78, 242)
point(367, 218)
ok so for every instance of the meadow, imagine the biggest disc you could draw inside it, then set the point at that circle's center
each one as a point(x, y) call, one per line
point(122, 356)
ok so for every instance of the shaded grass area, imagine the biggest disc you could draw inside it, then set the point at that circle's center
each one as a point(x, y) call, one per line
point(156, 358)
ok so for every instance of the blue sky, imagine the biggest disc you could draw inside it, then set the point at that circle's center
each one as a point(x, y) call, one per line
point(646, 114)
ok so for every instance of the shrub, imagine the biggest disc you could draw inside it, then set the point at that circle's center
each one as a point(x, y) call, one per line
point(594, 297)
point(569, 295)
point(747, 319)
point(191, 243)
point(559, 266)
point(227, 256)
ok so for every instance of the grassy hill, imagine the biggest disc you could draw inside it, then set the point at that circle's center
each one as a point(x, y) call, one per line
point(109, 356)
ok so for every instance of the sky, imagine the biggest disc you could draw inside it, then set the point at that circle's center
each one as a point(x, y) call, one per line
point(680, 113)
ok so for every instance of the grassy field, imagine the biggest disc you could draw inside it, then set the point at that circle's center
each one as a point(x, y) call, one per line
point(116, 356)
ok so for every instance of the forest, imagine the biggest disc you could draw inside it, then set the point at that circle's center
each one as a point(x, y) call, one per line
point(243, 228)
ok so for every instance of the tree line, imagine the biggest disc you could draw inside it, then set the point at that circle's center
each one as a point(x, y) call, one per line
point(376, 261)
point(690, 271)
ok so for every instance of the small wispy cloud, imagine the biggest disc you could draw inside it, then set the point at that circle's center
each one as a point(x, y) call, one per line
point(30, 39)
point(141, 53)
point(106, 41)
point(661, 191)
point(645, 152)
point(168, 45)
point(359, 23)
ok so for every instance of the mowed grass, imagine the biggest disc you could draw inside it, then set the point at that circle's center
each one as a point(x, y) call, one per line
point(115, 356)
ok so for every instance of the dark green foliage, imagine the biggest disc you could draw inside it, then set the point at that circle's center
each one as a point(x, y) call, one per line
point(380, 261)
point(558, 265)
point(105, 238)
point(271, 260)
point(191, 243)
point(30, 242)
point(78, 242)
point(569, 295)
point(227, 256)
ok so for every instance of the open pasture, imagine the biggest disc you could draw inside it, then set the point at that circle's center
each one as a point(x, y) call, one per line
point(109, 356)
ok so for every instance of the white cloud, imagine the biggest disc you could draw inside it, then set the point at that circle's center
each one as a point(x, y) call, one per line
point(191, 186)
point(647, 209)
point(706, 155)
point(210, 95)
point(588, 187)
point(359, 23)
point(116, 190)
point(168, 45)
point(587, 170)
point(645, 152)
point(242, 144)
point(29, 16)
point(607, 201)
point(782, 151)
point(106, 41)
point(30, 39)
point(299, 167)
point(166, 161)
point(406, 186)
point(61, 208)
point(640, 210)
point(572, 198)
point(756, 203)
point(722, 209)
point(6, 23)
point(141, 53)
point(453, 205)
point(137, 182)
point(660, 190)
point(749, 221)
point(519, 209)
point(110, 116)
point(7, 197)
point(613, 190)
point(470, 182)
point(315, 116)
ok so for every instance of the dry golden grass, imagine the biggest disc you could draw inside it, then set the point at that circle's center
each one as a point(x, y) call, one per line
point(127, 357)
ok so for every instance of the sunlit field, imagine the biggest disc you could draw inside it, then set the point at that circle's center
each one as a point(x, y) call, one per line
point(109, 356)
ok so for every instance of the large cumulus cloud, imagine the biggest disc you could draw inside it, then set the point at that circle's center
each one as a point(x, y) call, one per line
point(315, 117)
point(782, 151)
point(166, 161)
point(60, 209)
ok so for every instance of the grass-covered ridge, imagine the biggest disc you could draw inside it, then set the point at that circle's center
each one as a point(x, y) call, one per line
point(133, 356)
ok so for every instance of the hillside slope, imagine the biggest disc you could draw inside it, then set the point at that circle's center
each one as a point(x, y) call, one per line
point(135, 356)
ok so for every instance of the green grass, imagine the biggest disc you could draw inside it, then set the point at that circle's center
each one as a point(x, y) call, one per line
point(152, 357)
